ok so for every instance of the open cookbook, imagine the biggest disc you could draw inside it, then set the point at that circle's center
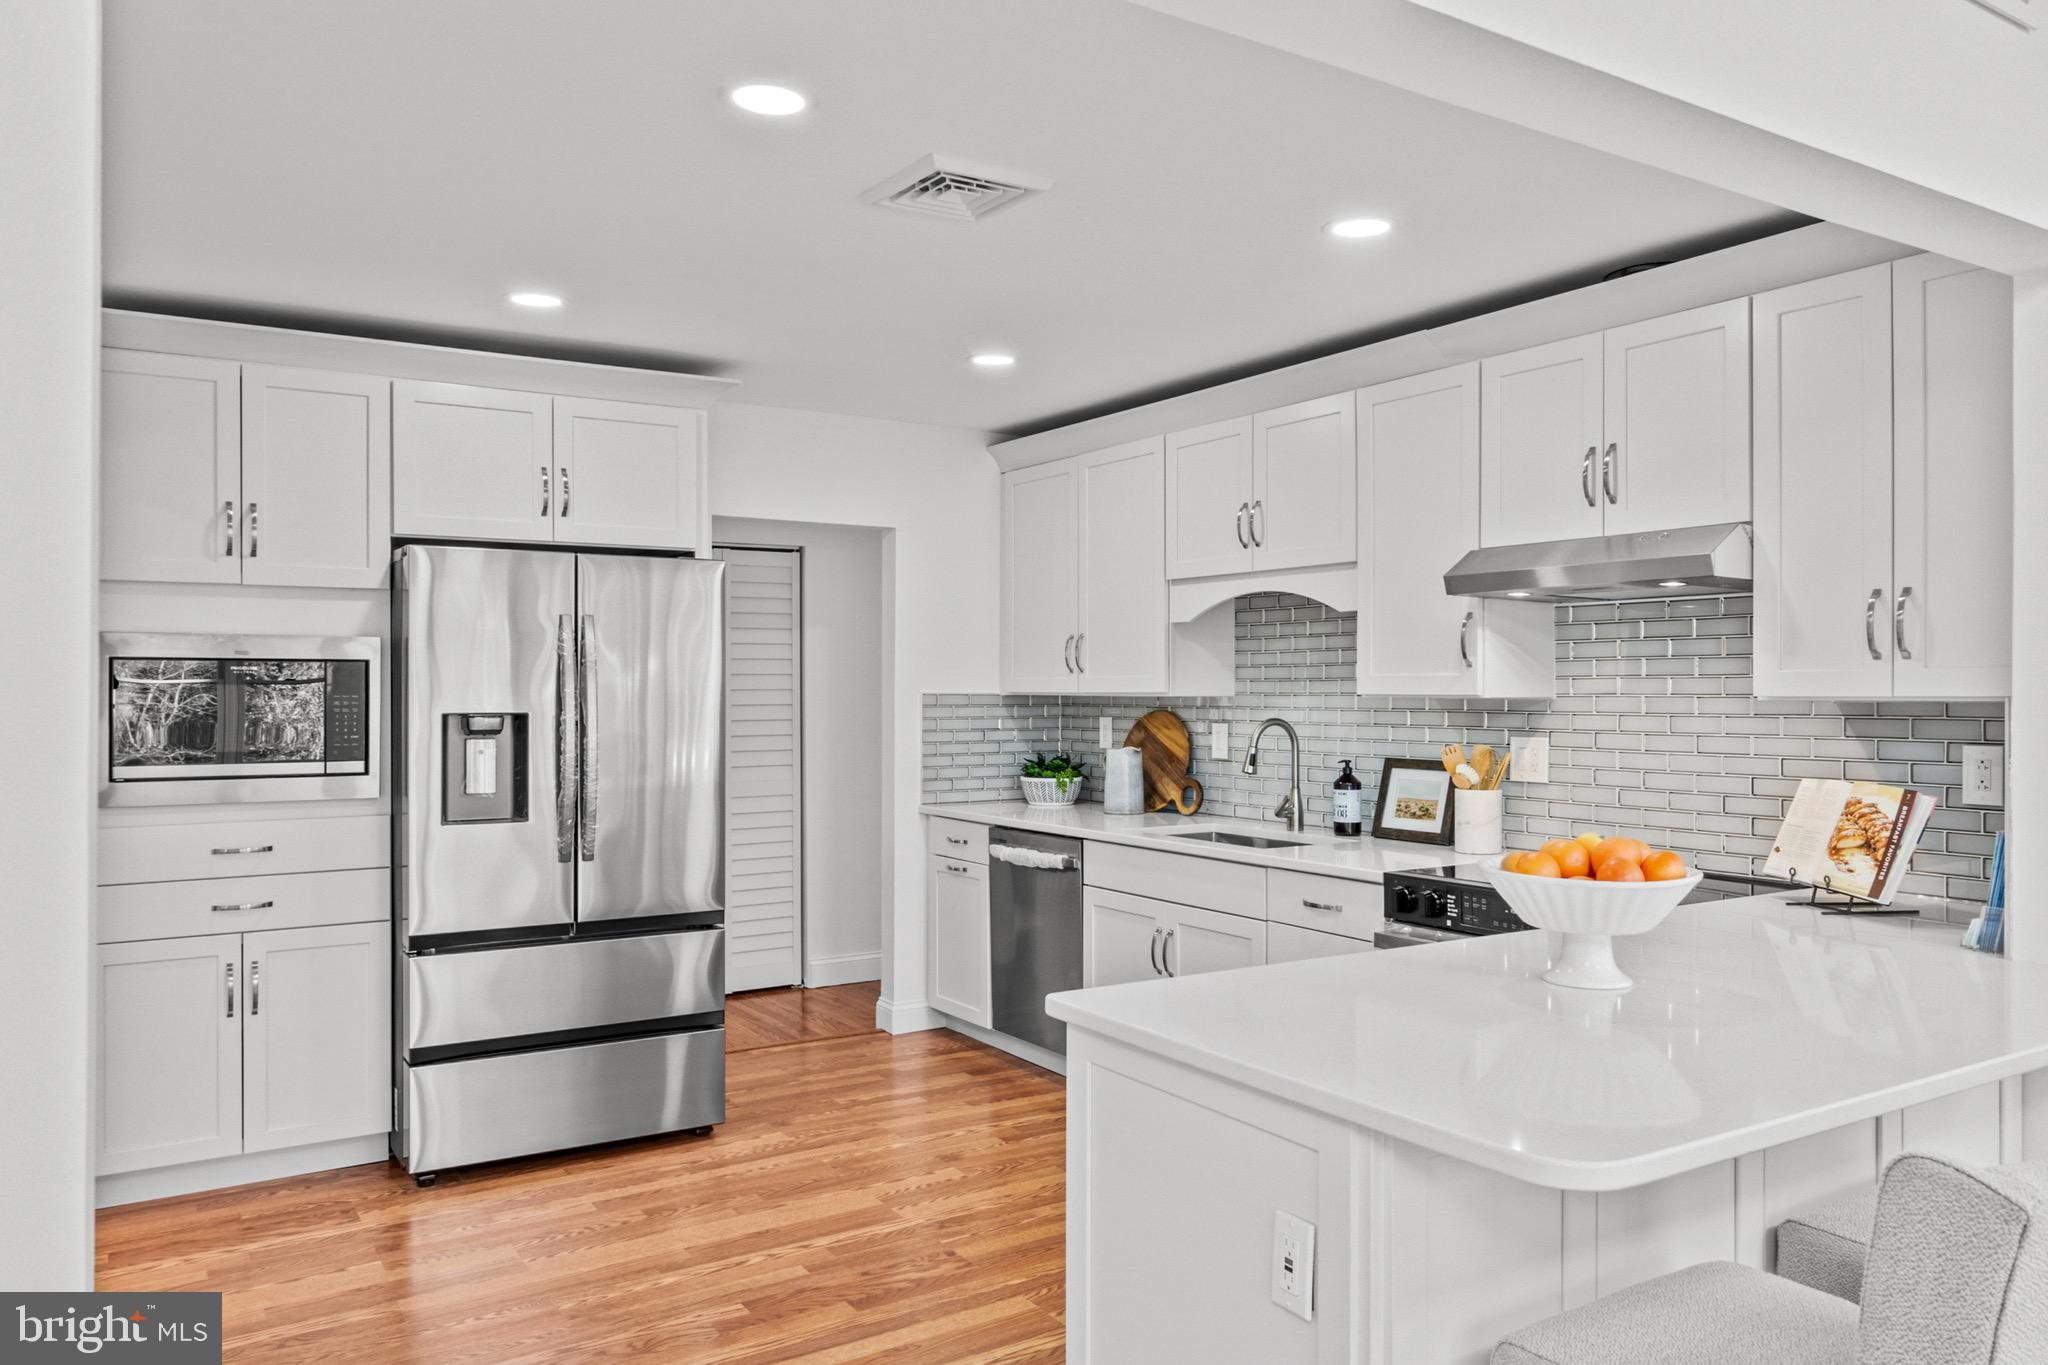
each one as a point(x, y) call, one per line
point(1852, 837)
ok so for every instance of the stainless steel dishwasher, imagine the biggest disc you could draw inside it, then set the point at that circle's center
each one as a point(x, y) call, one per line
point(1034, 931)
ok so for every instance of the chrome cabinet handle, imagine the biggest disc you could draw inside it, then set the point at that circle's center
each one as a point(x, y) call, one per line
point(1899, 624)
point(547, 498)
point(1152, 953)
point(586, 737)
point(1464, 631)
point(1257, 539)
point(1165, 951)
point(245, 905)
point(1242, 543)
point(1319, 905)
point(562, 472)
point(565, 741)
point(1067, 654)
point(1080, 664)
point(255, 991)
point(956, 867)
point(1586, 476)
point(252, 530)
point(245, 848)
point(1870, 622)
point(231, 990)
point(1608, 462)
point(951, 840)
point(229, 508)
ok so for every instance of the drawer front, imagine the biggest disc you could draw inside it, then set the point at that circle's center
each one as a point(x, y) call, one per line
point(961, 839)
point(1334, 905)
point(144, 910)
point(242, 848)
point(1184, 879)
point(1287, 943)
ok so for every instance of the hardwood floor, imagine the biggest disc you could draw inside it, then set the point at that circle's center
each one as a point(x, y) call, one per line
point(777, 1017)
point(870, 1198)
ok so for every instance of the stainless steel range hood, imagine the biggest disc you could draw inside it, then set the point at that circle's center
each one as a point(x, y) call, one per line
point(1695, 561)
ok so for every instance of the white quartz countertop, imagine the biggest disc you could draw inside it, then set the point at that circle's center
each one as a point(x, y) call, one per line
point(1320, 852)
point(1752, 1022)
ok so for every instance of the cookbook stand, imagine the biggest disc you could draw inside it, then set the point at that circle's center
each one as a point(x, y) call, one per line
point(1848, 902)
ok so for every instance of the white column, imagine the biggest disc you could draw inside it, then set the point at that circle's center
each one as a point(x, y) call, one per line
point(49, 376)
point(2026, 809)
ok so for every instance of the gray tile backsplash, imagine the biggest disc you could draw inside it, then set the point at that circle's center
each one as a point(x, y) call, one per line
point(1654, 730)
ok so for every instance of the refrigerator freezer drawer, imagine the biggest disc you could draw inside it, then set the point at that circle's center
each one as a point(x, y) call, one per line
point(522, 1103)
point(493, 994)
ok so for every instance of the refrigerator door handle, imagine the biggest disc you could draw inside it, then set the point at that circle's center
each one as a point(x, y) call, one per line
point(567, 777)
point(586, 737)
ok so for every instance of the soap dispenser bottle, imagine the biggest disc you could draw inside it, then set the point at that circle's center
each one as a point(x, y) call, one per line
point(1349, 794)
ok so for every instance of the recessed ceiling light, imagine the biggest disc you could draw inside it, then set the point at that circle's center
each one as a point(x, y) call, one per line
point(1518, 594)
point(774, 101)
point(529, 299)
point(993, 360)
point(1359, 227)
point(1673, 583)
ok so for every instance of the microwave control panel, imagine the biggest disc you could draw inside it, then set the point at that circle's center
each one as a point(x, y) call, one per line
point(348, 718)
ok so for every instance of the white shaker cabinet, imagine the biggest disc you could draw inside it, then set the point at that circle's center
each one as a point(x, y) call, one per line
point(170, 1041)
point(959, 929)
point(316, 478)
point(1209, 500)
point(1418, 513)
point(316, 1035)
point(628, 474)
point(1201, 941)
point(1540, 443)
point(170, 468)
point(1271, 491)
point(472, 463)
point(1132, 938)
point(1040, 568)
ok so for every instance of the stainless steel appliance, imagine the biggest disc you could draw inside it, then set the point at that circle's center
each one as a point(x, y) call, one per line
point(206, 719)
point(1034, 931)
point(1436, 905)
point(1689, 562)
point(558, 832)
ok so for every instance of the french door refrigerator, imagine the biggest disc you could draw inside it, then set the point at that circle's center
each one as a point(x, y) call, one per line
point(558, 850)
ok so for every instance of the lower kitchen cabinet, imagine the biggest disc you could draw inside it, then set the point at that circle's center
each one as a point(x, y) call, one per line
point(958, 897)
point(221, 1044)
point(1290, 943)
point(1129, 938)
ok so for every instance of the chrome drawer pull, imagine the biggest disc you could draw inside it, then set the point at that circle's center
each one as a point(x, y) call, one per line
point(951, 840)
point(1318, 905)
point(245, 848)
point(246, 905)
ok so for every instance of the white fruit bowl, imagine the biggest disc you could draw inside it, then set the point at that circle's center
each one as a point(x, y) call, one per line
point(1590, 915)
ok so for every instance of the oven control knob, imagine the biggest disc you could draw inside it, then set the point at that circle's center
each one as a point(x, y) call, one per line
point(1404, 900)
point(1432, 905)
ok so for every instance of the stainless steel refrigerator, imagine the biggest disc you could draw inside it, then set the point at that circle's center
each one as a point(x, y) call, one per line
point(558, 850)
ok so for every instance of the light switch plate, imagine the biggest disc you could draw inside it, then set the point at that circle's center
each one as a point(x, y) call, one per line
point(1103, 732)
point(1219, 740)
point(1294, 1264)
point(1983, 775)
point(1529, 758)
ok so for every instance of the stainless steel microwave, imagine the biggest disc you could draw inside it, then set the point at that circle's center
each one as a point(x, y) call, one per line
point(201, 719)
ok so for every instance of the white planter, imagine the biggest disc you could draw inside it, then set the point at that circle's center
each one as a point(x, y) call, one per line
point(1590, 915)
point(1045, 791)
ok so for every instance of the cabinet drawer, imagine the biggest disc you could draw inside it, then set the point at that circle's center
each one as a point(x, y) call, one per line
point(966, 840)
point(1288, 943)
point(1335, 905)
point(1185, 879)
point(242, 848)
point(143, 910)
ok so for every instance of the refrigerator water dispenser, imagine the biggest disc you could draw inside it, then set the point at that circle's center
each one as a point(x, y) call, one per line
point(483, 767)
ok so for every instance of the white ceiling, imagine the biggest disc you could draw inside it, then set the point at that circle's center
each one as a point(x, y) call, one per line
point(396, 167)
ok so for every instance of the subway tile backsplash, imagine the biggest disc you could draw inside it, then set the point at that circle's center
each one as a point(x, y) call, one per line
point(1654, 730)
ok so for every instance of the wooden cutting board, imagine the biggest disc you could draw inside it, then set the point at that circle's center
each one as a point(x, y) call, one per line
point(1163, 738)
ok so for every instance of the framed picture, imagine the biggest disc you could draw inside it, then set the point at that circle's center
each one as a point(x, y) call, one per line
point(1415, 801)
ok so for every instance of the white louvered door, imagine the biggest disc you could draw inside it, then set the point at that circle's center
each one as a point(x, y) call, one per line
point(764, 768)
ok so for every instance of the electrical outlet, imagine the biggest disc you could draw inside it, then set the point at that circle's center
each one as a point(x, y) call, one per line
point(1983, 775)
point(1219, 740)
point(1294, 1265)
point(1107, 742)
point(1529, 758)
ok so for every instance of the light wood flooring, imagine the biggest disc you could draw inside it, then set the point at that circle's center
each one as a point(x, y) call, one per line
point(869, 1199)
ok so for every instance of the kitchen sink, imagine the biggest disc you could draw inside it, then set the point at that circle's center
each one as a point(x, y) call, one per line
point(1224, 836)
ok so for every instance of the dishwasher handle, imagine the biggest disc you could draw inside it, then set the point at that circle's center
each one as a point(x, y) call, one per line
point(1043, 860)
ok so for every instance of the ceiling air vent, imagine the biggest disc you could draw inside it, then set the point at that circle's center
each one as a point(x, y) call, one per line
point(947, 187)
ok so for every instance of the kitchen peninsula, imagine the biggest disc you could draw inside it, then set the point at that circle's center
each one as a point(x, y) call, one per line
point(1476, 1149)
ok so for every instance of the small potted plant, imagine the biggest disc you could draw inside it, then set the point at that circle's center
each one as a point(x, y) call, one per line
point(1053, 780)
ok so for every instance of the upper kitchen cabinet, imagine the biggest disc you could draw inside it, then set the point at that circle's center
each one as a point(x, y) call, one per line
point(217, 472)
point(472, 463)
point(1275, 491)
point(1040, 568)
point(1418, 443)
point(630, 474)
point(1883, 450)
point(1640, 428)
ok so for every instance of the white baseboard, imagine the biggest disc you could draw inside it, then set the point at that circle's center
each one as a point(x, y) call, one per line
point(1003, 1042)
point(843, 970)
point(909, 1016)
point(131, 1187)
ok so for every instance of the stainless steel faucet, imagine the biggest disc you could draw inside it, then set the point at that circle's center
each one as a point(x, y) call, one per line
point(1289, 809)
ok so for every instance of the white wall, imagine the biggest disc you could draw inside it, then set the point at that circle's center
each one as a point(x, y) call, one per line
point(935, 491)
point(847, 869)
point(2026, 785)
point(49, 377)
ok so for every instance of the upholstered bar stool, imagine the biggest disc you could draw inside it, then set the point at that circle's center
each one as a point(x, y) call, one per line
point(1825, 1247)
point(1957, 1275)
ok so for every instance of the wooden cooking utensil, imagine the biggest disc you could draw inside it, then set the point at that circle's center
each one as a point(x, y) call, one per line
point(1499, 773)
point(1163, 738)
point(1454, 754)
point(1482, 763)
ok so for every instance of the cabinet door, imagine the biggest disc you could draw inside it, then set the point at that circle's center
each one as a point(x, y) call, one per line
point(470, 463)
point(1952, 420)
point(629, 474)
point(170, 468)
point(1041, 550)
point(1208, 500)
point(959, 931)
point(1120, 937)
point(1200, 941)
point(316, 1035)
point(1122, 623)
point(1539, 443)
point(170, 1040)
point(1677, 428)
point(1304, 485)
point(316, 478)
point(1824, 487)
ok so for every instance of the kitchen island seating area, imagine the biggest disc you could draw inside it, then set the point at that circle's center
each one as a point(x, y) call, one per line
point(1957, 1275)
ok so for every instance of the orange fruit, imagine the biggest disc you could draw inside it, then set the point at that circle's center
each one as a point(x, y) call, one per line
point(1665, 867)
point(1590, 840)
point(1512, 862)
point(1635, 850)
point(1539, 865)
point(1571, 855)
point(1580, 877)
point(1619, 870)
